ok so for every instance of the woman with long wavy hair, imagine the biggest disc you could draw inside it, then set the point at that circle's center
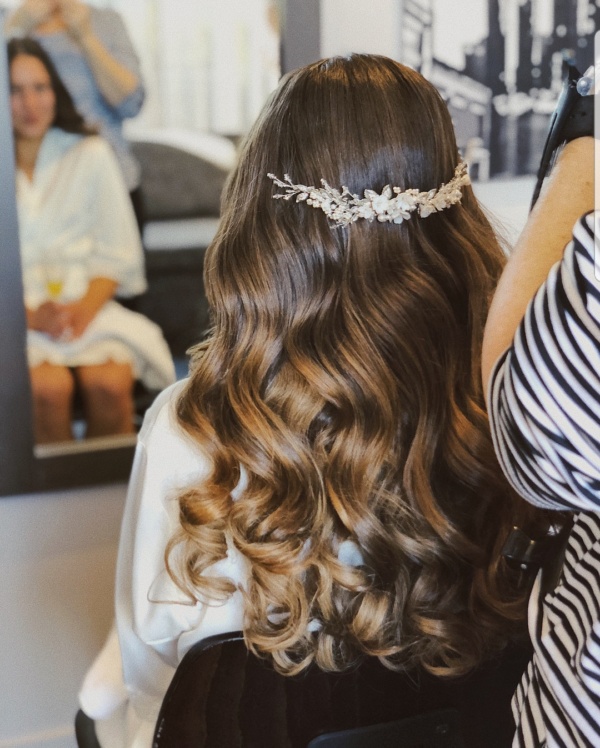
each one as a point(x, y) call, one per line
point(325, 479)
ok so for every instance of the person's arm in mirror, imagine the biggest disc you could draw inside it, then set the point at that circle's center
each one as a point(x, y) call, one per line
point(569, 193)
point(115, 79)
point(115, 69)
point(27, 16)
point(81, 312)
point(69, 321)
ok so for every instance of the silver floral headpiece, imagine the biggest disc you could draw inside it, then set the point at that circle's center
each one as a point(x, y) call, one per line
point(392, 205)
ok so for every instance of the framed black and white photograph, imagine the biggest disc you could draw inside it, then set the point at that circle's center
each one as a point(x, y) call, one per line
point(500, 66)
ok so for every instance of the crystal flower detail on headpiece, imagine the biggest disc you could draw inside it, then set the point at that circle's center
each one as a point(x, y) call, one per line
point(392, 205)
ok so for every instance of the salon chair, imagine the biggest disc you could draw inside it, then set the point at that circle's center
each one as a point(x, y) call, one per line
point(223, 696)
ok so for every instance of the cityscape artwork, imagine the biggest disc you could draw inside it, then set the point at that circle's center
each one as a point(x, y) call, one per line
point(500, 65)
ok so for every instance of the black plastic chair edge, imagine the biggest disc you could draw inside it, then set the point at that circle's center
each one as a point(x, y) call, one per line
point(188, 660)
point(85, 731)
point(445, 723)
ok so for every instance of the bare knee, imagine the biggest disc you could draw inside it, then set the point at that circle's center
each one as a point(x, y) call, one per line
point(52, 386)
point(52, 390)
point(107, 393)
point(109, 383)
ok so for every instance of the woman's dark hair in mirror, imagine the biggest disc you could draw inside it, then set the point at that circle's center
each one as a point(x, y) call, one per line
point(67, 117)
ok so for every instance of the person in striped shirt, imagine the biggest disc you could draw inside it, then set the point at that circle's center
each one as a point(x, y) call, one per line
point(541, 362)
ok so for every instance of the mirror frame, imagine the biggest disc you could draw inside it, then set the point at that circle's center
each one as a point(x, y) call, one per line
point(16, 431)
point(24, 468)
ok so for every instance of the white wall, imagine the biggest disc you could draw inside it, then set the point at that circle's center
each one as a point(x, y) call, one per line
point(57, 560)
point(359, 26)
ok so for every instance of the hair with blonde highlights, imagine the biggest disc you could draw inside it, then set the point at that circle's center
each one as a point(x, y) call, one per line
point(341, 377)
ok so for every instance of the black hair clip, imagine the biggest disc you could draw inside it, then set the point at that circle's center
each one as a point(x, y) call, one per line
point(528, 556)
point(523, 553)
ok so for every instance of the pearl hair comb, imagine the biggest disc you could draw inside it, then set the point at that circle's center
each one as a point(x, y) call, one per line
point(392, 205)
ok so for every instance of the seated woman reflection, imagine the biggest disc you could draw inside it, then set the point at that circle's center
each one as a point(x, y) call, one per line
point(79, 247)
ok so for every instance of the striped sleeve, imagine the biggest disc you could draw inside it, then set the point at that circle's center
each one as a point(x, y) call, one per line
point(545, 390)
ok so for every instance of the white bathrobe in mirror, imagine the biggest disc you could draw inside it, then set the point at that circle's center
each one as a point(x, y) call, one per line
point(76, 223)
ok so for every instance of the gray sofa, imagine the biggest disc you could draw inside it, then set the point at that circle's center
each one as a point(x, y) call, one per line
point(181, 191)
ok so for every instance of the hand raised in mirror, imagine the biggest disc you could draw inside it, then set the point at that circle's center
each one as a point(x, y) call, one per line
point(30, 14)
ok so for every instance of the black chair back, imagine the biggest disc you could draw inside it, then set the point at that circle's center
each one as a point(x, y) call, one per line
point(439, 729)
point(224, 697)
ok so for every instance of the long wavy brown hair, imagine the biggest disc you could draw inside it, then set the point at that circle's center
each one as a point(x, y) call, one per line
point(341, 378)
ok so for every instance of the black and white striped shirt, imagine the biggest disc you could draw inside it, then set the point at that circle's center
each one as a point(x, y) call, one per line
point(545, 414)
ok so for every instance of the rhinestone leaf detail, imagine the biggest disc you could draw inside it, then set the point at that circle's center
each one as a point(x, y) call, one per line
point(393, 205)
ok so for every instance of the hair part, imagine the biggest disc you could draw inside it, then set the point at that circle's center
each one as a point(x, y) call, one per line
point(66, 117)
point(342, 375)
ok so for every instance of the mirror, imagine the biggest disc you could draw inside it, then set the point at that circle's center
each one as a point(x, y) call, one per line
point(182, 50)
point(22, 471)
